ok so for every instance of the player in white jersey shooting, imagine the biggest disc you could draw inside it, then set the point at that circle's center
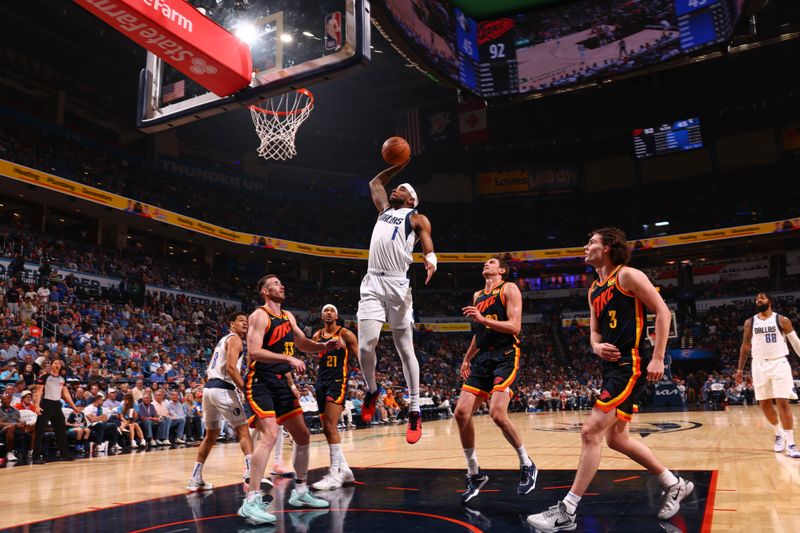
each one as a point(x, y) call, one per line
point(765, 336)
point(385, 290)
point(220, 400)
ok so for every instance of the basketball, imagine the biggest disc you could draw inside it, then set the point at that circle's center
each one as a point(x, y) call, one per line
point(395, 151)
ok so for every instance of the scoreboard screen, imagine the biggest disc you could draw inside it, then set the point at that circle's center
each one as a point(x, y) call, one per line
point(677, 136)
point(559, 46)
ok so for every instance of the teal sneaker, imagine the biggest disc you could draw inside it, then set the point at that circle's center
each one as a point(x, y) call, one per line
point(256, 510)
point(306, 500)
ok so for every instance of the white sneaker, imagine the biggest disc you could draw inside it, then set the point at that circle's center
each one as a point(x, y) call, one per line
point(180, 441)
point(165, 442)
point(153, 443)
point(134, 445)
point(116, 448)
point(780, 443)
point(10, 457)
point(142, 443)
point(673, 497)
point(556, 518)
point(347, 474)
point(195, 485)
point(333, 480)
point(103, 448)
point(792, 451)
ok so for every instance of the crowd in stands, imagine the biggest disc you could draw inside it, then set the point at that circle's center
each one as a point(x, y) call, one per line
point(280, 213)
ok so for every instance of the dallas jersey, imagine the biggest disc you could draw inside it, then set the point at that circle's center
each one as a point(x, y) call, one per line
point(768, 339)
point(392, 241)
point(217, 368)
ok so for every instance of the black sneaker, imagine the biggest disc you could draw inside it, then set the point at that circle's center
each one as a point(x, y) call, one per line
point(475, 483)
point(368, 407)
point(527, 478)
point(39, 460)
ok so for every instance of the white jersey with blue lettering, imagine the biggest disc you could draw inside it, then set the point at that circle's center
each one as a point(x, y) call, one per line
point(768, 339)
point(218, 368)
point(392, 242)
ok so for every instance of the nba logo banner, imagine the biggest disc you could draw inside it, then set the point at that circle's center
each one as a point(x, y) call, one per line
point(333, 31)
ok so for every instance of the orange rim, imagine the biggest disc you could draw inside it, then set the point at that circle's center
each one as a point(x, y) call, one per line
point(304, 92)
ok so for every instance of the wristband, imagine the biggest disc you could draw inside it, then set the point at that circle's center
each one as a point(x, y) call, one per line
point(431, 258)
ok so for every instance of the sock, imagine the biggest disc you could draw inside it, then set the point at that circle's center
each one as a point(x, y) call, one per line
point(788, 434)
point(197, 473)
point(247, 459)
point(778, 429)
point(368, 333)
point(336, 456)
point(253, 494)
point(571, 502)
point(666, 479)
point(472, 461)
point(278, 448)
point(404, 342)
point(524, 460)
point(300, 461)
point(301, 488)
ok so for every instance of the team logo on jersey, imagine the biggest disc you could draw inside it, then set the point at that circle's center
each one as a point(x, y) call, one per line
point(642, 428)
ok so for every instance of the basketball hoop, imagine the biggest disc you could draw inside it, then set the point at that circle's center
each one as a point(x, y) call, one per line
point(277, 121)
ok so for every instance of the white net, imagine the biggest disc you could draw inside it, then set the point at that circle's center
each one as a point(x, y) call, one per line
point(277, 120)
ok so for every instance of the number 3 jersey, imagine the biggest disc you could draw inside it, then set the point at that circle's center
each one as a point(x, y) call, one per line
point(621, 319)
point(768, 340)
point(278, 338)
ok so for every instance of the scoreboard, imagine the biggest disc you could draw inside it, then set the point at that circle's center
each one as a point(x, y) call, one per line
point(677, 136)
point(487, 56)
point(705, 22)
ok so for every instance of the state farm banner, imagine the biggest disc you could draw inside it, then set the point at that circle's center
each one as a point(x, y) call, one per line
point(193, 297)
point(183, 37)
point(84, 280)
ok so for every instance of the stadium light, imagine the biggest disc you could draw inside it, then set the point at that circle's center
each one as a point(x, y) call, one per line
point(662, 223)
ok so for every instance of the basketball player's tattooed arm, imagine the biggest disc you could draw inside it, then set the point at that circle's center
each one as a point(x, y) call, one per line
point(233, 347)
point(744, 350)
point(791, 334)
point(257, 325)
point(377, 186)
point(637, 283)
point(471, 351)
point(422, 227)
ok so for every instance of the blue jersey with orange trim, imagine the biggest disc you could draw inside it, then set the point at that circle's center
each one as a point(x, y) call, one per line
point(278, 338)
point(332, 363)
point(492, 304)
point(621, 318)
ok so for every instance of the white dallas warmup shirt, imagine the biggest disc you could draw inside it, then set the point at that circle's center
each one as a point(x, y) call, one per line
point(392, 242)
point(768, 339)
point(217, 369)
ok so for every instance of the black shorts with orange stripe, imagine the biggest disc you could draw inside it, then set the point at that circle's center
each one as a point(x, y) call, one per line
point(622, 389)
point(269, 395)
point(492, 371)
point(330, 391)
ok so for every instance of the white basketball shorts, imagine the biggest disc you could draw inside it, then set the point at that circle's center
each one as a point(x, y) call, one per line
point(773, 379)
point(222, 404)
point(387, 299)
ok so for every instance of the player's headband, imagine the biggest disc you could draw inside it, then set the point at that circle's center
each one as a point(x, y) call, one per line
point(331, 306)
point(411, 191)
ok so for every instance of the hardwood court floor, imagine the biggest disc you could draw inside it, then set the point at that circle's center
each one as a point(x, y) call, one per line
point(756, 489)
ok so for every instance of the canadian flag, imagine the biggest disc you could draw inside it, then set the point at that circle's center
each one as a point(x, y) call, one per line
point(472, 122)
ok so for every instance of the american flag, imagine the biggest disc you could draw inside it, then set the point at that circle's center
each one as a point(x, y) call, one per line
point(409, 128)
point(173, 91)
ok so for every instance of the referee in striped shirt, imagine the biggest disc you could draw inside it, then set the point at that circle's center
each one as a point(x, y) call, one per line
point(50, 389)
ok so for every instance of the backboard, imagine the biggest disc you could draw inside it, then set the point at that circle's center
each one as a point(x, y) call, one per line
point(293, 43)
